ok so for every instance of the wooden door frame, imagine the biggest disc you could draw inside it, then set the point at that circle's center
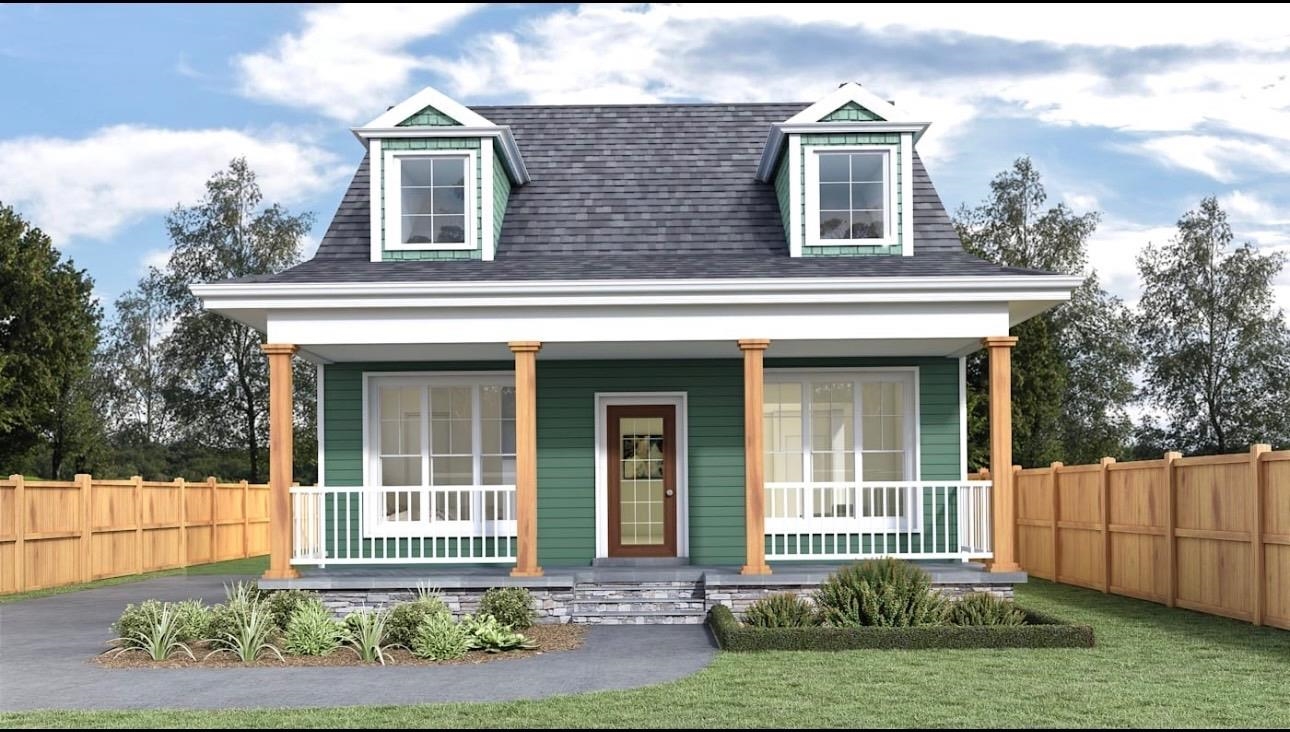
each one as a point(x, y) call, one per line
point(613, 441)
point(677, 399)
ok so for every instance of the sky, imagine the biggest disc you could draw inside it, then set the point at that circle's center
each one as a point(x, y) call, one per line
point(114, 115)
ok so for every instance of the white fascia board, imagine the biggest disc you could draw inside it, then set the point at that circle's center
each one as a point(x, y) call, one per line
point(511, 156)
point(429, 97)
point(780, 130)
point(849, 92)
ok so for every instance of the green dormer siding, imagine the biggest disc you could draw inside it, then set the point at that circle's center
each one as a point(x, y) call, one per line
point(429, 117)
point(851, 112)
point(435, 143)
point(501, 193)
point(809, 141)
point(782, 181)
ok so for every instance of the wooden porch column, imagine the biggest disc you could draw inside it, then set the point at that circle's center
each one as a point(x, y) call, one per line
point(1003, 501)
point(526, 458)
point(754, 475)
point(281, 437)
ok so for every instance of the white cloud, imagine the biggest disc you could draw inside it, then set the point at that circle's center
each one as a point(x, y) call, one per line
point(1222, 159)
point(157, 258)
point(93, 186)
point(349, 61)
point(1113, 251)
point(309, 246)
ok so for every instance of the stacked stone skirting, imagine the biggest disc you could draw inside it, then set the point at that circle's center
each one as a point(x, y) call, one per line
point(738, 598)
point(553, 604)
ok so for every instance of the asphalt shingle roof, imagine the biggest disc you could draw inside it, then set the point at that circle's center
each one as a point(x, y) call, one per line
point(663, 191)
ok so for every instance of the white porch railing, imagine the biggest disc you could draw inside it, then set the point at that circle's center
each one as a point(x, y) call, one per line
point(904, 519)
point(403, 524)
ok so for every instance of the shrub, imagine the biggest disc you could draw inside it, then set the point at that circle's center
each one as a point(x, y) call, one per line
point(311, 630)
point(366, 634)
point(284, 603)
point(153, 628)
point(982, 608)
point(194, 620)
point(406, 617)
point(784, 610)
point(885, 592)
point(242, 593)
point(491, 635)
point(439, 639)
point(249, 637)
point(512, 606)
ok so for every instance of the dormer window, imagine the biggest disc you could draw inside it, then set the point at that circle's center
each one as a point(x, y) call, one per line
point(429, 200)
point(851, 195)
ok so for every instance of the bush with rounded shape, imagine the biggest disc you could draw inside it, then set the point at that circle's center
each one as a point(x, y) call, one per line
point(284, 603)
point(490, 635)
point(406, 617)
point(782, 610)
point(983, 608)
point(439, 639)
point(512, 606)
point(312, 631)
point(880, 592)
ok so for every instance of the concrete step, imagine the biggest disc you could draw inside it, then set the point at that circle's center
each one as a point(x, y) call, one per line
point(640, 617)
point(640, 562)
point(596, 606)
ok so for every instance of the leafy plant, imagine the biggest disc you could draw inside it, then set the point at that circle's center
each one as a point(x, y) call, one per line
point(783, 610)
point(366, 635)
point(243, 593)
point(882, 592)
point(983, 608)
point(511, 606)
point(406, 617)
point(284, 603)
point(311, 630)
point(427, 591)
point(191, 618)
point(491, 635)
point(194, 620)
point(249, 639)
point(439, 639)
point(154, 629)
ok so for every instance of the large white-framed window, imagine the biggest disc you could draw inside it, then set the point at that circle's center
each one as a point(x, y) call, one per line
point(851, 194)
point(441, 446)
point(841, 448)
point(430, 199)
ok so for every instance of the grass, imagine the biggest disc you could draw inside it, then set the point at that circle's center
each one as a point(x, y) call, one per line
point(1153, 667)
point(252, 566)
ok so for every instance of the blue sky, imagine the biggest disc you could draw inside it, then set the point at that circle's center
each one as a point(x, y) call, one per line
point(116, 114)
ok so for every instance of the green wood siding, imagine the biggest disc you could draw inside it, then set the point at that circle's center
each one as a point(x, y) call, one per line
point(782, 183)
point(501, 193)
point(436, 143)
point(851, 112)
point(566, 440)
point(429, 117)
point(884, 138)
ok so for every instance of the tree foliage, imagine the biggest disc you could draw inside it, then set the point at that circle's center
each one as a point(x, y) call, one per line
point(1218, 363)
point(1072, 367)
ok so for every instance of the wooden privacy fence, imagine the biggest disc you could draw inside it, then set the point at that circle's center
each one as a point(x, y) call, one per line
point(1205, 533)
point(62, 532)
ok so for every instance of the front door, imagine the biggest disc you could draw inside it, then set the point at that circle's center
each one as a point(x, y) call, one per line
point(642, 480)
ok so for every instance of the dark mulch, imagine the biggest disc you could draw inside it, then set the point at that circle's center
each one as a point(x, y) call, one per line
point(549, 639)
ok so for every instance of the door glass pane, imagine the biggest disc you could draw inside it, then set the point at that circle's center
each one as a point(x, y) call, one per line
point(832, 424)
point(641, 475)
point(882, 422)
point(782, 419)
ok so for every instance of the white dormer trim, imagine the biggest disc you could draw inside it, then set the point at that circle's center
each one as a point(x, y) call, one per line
point(848, 92)
point(428, 97)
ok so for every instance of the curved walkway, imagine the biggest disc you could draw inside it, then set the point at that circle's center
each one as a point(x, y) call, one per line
point(45, 644)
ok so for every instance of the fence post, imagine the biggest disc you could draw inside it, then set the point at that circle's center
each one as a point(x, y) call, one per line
point(183, 523)
point(85, 487)
point(1053, 470)
point(1016, 511)
point(1171, 525)
point(1256, 530)
point(20, 532)
point(138, 523)
point(1105, 477)
point(246, 518)
point(213, 485)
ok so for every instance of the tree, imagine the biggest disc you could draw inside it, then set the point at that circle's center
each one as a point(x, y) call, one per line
point(49, 325)
point(1072, 367)
point(131, 367)
point(1219, 355)
point(217, 386)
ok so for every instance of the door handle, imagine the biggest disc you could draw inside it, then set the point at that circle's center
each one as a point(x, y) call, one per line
point(668, 492)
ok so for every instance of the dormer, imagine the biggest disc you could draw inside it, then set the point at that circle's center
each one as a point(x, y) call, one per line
point(440, 176)
point(843, 172)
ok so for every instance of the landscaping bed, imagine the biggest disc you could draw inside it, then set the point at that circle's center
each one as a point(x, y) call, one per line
point(548, 638)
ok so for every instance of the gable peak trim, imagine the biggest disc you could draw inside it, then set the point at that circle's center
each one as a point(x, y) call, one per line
point(429, 97)
point(853, 93)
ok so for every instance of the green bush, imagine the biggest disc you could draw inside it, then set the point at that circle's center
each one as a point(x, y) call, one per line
point(882, 592)
point(783, 610)
point(191, 620)
point(252, 629)
point(406, 617)
point(511, 606)
point(311, 630)
point(153, 629)
point(366, 634)
point(491, 635)
point(983, 608)
point(439, 639)
point(284, 603)
point(242, 593)
point(1040, 631)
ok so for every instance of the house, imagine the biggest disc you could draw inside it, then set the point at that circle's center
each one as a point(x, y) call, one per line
point(615, 351)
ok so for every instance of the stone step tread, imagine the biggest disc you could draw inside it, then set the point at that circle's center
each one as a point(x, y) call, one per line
point(635, 600)
point(639, 613)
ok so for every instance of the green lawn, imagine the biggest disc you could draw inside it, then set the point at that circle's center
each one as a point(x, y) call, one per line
point(252, 566)
point(1153, 667)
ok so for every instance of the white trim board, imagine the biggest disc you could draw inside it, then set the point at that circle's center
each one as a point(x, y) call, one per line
point(677, 399)
point(428, 97)
point(845, 93)
point(891, 158)
point(394, 203)
point(963, 436)
point(320, 417)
